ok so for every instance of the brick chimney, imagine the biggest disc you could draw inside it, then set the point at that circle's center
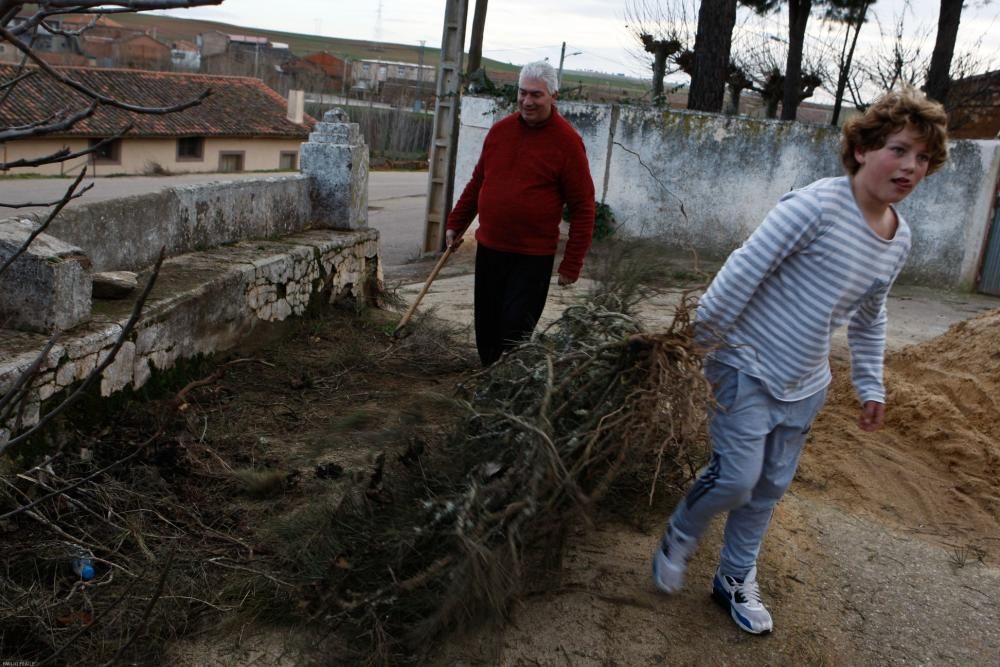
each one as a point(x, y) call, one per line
point(296, 106)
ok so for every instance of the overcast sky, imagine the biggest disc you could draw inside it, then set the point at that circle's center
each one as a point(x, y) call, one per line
point(519, 31)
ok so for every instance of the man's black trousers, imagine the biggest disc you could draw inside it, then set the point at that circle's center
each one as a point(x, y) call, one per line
point(510, 294)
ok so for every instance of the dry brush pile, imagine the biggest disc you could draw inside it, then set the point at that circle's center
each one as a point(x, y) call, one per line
point(590, 406)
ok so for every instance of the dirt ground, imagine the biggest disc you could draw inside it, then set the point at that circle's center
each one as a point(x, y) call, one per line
point(886, 551)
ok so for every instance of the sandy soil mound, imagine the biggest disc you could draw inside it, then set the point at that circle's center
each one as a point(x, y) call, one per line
point(935, 468)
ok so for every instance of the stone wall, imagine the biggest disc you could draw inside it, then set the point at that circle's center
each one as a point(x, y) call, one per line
point(184, 219)
point(202, 303)
point(704, 182)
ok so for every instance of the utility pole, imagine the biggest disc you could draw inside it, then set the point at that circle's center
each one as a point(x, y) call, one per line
point(562, 57)
point(476, 42)
point(444, 142)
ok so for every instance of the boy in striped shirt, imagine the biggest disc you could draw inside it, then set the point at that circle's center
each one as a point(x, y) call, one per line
point(824, 256)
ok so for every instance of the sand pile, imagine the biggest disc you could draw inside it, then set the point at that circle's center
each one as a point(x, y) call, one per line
point(935, 468)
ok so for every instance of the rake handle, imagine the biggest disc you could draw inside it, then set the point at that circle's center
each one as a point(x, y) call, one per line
point(423, 290)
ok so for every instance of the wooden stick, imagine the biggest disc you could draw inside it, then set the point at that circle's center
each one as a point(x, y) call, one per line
point(423, 290)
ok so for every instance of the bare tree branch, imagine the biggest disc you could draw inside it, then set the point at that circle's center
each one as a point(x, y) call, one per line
point(93, 94)
point(32, 204)
point(92, 8)
point(52, 215)
point(149, 608)
point(83, 480)
point(15, 393)
point(70, 33)
point(47, 126)
point(16, 80)
point(64, 154)
point(79, 6)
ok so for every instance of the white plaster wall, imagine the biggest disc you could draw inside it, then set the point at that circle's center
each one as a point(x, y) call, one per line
point(704, 182)
point(478, 114)
point(141, 156)
point(476, 117)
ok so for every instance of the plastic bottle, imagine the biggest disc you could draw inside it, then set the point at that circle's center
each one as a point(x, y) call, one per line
point(83, 567)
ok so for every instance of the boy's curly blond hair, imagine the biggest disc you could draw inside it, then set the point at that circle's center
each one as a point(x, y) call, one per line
point(890, 114)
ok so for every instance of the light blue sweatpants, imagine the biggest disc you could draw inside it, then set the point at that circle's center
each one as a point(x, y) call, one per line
point(756, 444)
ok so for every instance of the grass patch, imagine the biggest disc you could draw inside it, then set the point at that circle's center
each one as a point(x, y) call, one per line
point(260, 483)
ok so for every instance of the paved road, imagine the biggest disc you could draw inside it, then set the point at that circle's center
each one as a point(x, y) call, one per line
point(396, 201)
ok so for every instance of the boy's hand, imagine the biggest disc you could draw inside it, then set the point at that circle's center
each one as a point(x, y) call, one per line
point(872, 416)
point(452, 240)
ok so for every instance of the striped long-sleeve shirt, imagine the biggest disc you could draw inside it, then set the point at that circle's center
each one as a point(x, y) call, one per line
point(812, 265)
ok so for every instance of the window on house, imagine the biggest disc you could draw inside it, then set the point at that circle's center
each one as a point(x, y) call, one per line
point(231, 161)
point(287, 160)
point(109, 153)
point(190, 148)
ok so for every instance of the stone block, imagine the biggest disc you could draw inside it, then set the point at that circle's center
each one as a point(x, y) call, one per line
point(46, 288)
point(336, 160)
point(114, 284)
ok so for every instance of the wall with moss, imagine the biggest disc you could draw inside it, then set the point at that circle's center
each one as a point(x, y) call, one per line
point(704, 181)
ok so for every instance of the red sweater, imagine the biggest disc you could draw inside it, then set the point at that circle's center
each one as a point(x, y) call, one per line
point(524, 176)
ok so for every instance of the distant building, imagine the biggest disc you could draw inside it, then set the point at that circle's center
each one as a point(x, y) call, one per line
point(140, 52)
point(185, 56)
point(245, 55)
point(98, 49)
point(318, 73)
point(393, 82)
point(242, 125)
point(974, 107)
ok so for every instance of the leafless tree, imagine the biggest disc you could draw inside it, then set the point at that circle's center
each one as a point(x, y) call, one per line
point(665, 32)
point(904, 58)
point(849, 18)
point(757, 65)
point(20, 22)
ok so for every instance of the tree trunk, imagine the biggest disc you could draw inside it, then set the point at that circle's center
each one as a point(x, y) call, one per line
point(734, 101)
point(938, 81)
point(716, 19)
point(798, 18)
point(659, 71)
point(856, 22)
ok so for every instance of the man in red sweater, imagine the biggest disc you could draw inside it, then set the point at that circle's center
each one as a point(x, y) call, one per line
point(533, 162)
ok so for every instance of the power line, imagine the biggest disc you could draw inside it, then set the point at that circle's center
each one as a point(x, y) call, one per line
point(524, 48)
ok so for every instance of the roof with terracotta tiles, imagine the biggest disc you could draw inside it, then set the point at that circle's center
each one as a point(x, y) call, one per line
point(236, 107)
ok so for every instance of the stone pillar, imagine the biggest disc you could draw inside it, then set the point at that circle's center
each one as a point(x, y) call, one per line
point(336, 159)
point(47, 287)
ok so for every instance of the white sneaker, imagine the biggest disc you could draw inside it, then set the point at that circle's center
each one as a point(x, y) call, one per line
point(742, 599)
point(670, 560)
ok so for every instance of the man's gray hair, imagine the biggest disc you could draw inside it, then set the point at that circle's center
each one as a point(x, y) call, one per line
point(543, 71)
